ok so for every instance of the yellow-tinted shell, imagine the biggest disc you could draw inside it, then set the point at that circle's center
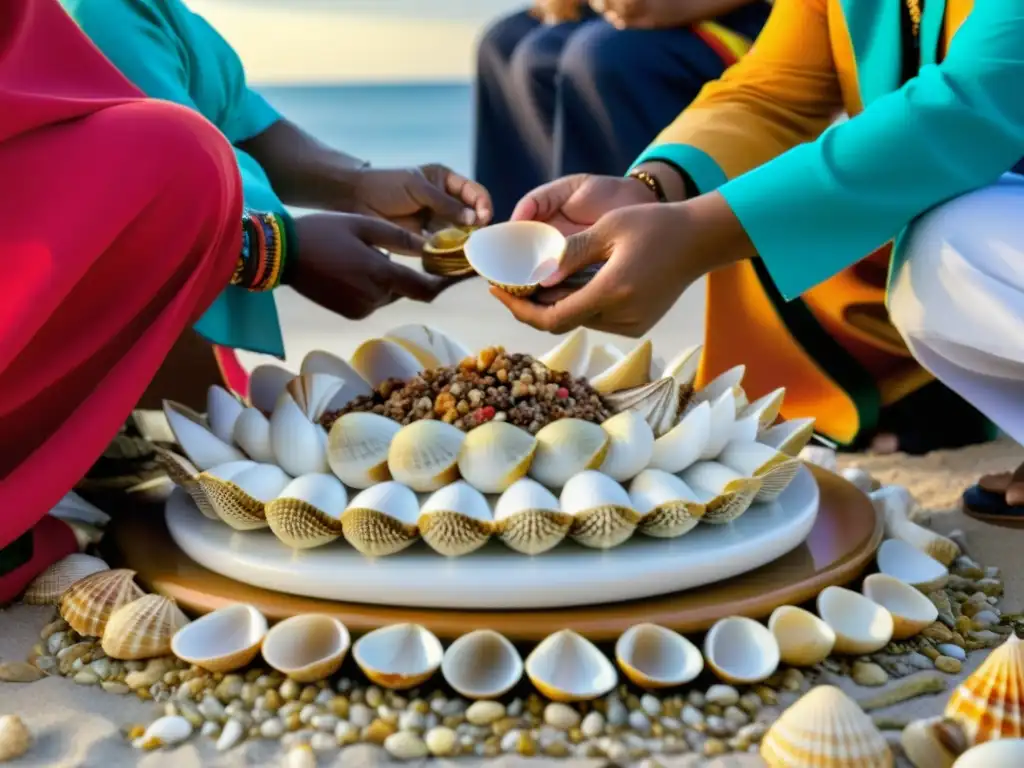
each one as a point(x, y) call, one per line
point(990, 703)
point(88, 604)
point(143, 628)
point(184, 475)
point(300, 525)
point(233, 505)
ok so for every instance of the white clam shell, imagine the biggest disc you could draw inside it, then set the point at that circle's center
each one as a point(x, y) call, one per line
point(653, 656)
point(399, 656)
point(895, 504)
point(631, 370)
point(744, 430)
point(723, 424)
point(222, 641)
point(933, 742)
point(911, 610)
point(630, 447)
point(775, 469)
point(203, 448)
point(726, 494)
point(528, 518)
point(222, 410)
point(266, 383)
point(765, 409)
point(1001, 753)
point(567, 667)
point(353, 385)
point(307, 512)
point(455, 520)
point(804, 639)
point(424, 455)
point(432, 347)
point(603, 515)
point(571, 354)
point(683, 368)
point(378, 360)
point(239, 490)
point(907, 563)
point(252, 435)
point(790, 436)
point(741, 651)
point(729, 381)
point(300, 445)
point(307, 647)
point(685, 443)
point(357, 448)
point(495, 455)
point(602, 357)
point(565, 448)
point(164, 732)
point(382, 519)
point(482, 664)
point(861, 625)
point(667, 505)
point(515, 254)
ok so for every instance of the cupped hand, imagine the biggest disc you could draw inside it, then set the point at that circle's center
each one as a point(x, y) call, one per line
point(339, 266)
point(414, 197)
point(573, 203)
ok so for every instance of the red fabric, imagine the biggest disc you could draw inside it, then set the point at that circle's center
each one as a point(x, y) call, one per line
point(52, 540)
point(119, 225)
point(235, 377)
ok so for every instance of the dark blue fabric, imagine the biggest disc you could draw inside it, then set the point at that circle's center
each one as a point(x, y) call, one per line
point(582, 97)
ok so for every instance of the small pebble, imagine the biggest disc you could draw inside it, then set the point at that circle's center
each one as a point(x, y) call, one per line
point(232, 734)
point(272, 728)
point(793, 680)
point(345, 734)
point(692, 716)
point(405, 745)
point(289, 690)
point(210, 730)
point(17, 739)
point(714, 747)
point(918, 660)
point(616, 713)
point(300, 756)
point(948, 664)
point(639, 722)
point(561, 716)
point(650, 704)
point(868, 674)
point(592, 725)
point(326, 723)
point(441, 742)
point(112, 686)
point(360, 715)
point(411, 720)
point(985, 619)
point(723, 695)
point(322, 742)
point(86, 677)
point(485, 712)
point(19, 672)
point(164, 732)
point(956, 652)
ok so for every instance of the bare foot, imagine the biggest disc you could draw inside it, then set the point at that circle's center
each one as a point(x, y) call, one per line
point(885, 444)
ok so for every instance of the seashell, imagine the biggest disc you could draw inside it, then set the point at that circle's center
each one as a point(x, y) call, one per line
point(772, 467)
point(744, 430)
point(565, 448)
point(632, 370)
point(252, 435)
point(790, 436)
point(529, 519)
point(182, 473)
point(989, 704)
point(142, 629)
point(222, 641)
point(299, 443)
point(729, 381)
point(567, 667)
point(312, 392)
point(48, 587)
point(725, 493)
point(603, 516)
point(993, 754)
point(658, 403)
point(602, 357)
point(684, 444)
point(353, 385)
point(765, 409)
point(74, 507)
point(828, 729)
point(448, 241)
point(495, 455)
point(482, 664)
point(741, 651)
point(456, 519)
point(668, 506)
point(803, 638)
point(222, 411)
point(88, 603)
point(239, 491)
point(424, 455)
point(934, 742)
point(859, 479)
point(911, 611)
point(15, 738)
point(357, 448)
point(652, 656)
point(203, 448)
point(630, 447)
point(431, 347)
point(399, 656)
point(164, 732)
point(895, 503)
point(85, 535)
point(861, 625)
point(382, 519)
point(683, 368)
point(266, 384)
point(910, 565)
point(515, 255)
point(378, 360)
point(307, 647)
point(820, 456)
point(571, 355)
point(307, 513)
point(723, 424)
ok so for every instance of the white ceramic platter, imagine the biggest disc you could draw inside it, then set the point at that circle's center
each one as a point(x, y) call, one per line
point(495, 577)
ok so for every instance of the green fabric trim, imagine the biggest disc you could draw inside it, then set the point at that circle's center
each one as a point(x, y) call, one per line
point(706, 173)
point(17, 553)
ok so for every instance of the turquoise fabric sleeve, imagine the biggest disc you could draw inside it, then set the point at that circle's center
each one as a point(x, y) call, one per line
point(956, 127)
point(704, 171)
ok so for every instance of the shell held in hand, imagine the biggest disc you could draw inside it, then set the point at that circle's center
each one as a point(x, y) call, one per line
point(382, 519)
point(482, 664)
point(668, 506)
point(567, 667)
point(223, 640)
point(48, 587)
point(603, 516)
point(143, 628)
point(308, 512)
point(861, 626)
point(494, 455)
point(455, 520)
point(989, 704)
point(565, 448)
point(515, 255)
point(740, 650)
point(652, 656)
point(804, 639)
point(529, 519)
point(424, 455)
point(88, 604)
point(307, 647)
point(399, 656)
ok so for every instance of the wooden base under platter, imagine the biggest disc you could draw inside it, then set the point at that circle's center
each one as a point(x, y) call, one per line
point(840, 547)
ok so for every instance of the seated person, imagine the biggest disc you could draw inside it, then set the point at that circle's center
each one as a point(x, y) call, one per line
point(564, 89)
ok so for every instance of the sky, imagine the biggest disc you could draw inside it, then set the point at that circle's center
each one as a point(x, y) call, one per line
point(328, 41)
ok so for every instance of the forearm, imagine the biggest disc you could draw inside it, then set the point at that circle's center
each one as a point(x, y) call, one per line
point(267, 251)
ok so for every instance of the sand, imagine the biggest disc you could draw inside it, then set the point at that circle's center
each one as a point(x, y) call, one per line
point(79, 726)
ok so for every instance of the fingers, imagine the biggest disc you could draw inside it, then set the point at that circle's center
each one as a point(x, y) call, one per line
point(470, 192)
point(547, 200)
point(391, 237)
point(409, 283)
point(581, 250)
point(429, 188)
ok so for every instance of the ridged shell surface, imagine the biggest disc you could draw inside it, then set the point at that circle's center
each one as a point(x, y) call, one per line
point(603, 515)
point(308, 512)
point(143, 628)
point(659, 403)
point(48, 587)
point(529, 519)
point(990, 703)
point(455, 520)
point(88, 604)
point(495, 455)
point(382, 519)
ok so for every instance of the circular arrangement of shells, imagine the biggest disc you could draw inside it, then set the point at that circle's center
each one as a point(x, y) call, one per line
point(669, 458)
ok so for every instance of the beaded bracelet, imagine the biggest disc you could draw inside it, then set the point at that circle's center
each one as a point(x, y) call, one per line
point(267, 241)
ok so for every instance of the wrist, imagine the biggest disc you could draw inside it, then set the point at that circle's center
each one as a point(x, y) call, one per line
point(268, 240)
point(718, 237)
point(668, 177)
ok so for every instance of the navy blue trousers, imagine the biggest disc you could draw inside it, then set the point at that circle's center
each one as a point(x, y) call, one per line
point(582, 97)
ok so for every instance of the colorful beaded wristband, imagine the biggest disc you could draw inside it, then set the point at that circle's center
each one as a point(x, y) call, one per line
point(267, 241)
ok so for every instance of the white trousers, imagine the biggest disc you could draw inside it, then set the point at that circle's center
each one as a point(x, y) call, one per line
point(957, 298)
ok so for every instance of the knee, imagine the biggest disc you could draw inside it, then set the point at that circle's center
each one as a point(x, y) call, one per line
point(599, 55)
point(499, 41)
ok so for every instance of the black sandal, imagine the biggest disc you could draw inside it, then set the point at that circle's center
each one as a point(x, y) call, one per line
point(986, 500)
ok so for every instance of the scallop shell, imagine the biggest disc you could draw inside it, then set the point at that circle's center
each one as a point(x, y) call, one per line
point(989, 704)
point(632, 370)
point(222, 411)
point(652, 656)
point(382, 519)
point(424, 455)
point(88, 603)
point(529, 519)
point(48, 587)
point(266, 384)
point(482, 664)
point(683, 368)
point(630, 447)
point(203, 448)
point(567, 667)
point(565, 448)
point(668, 506)
point(934, 742)
point(790, 436)
point(895, 503)
point(775, 469)
point(741, 651)
point(861, 625)
point(495, 455)
point(239, 491)
point(222, 641)
point(182, 473)
point(603, 515)
point(143, 628)
point(571, 355)
point(1003, 753)
point(765, 409)
point(515, 255)
point(357, 448)
point(602, 357)
point(252, 435)
point(307, 513)
point(307, 647)
point(723, 424)
point(911, 611)
point(455, 520)
point(684, 444)
point(353, 385)
point(726, 494)
point(399, 656)
point(803, 638)
point(659, 403)
point(825, 729)
point(299, 443)
point(433, 348)
point(905, 562)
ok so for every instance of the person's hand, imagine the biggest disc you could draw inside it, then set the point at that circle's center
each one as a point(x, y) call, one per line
point(413, 197)
point(338, 266)
point(557, 11)
point(573, 203)
point(648, 14)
